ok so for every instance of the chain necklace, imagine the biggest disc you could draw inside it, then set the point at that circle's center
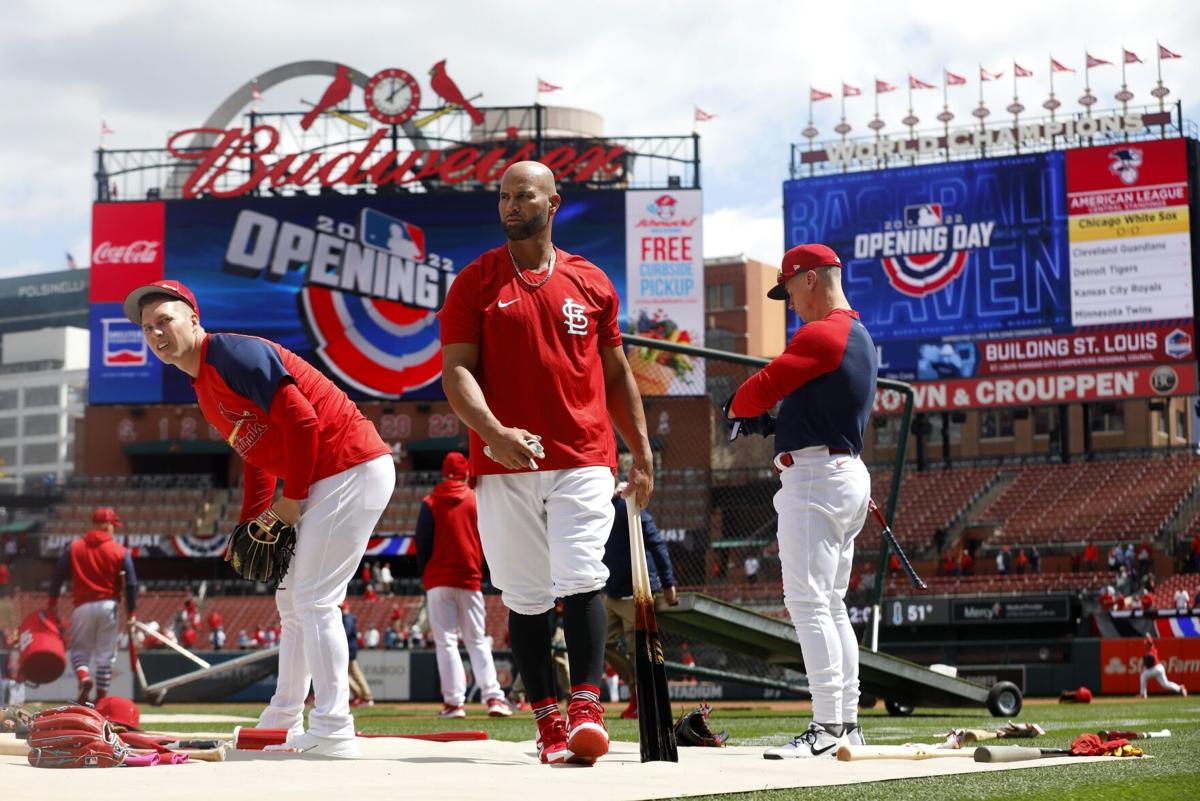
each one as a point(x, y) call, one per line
point(526, 281)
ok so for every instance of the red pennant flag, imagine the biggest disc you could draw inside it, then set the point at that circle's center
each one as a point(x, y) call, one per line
point(954, 80)
point(703, 116)
point(104, 129)
point(1092, 61)
point(917, 83)
point(1058, 66)
point(850, 91)
point(984, 75)
point(1021, 72)
point(883, 86)
point(1165, 53)
point(546, 86)
point(1131, 57)
point(817, 94)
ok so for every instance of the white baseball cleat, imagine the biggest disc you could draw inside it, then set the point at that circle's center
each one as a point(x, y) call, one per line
point(313, 745)
point(816, 742)
point(498, 708)
point(450, 711)
point(854, 734)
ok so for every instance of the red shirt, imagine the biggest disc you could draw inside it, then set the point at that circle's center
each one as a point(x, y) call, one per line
point(96, 561)
point(1150, 658)
point(455, 555)
point(283, 417)
point(1091, 553)
point(539, 354)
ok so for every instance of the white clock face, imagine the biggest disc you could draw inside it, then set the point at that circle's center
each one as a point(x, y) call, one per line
point(392, 95)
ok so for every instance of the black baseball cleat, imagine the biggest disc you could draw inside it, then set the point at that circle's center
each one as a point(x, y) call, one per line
point(816, 742)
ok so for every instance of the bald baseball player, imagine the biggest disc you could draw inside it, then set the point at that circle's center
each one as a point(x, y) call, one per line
point(826, 380)
point(287, 421)
point(532, 363)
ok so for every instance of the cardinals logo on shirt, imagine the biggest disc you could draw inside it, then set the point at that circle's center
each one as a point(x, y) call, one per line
point(575, 317)
point(926, 249)
point(246, 428)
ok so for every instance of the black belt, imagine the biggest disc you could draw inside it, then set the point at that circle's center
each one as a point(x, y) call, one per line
point(786, 459)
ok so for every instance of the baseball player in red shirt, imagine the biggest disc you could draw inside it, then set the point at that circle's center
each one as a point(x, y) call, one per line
point(287, 420)
point(94, 564)
point(826, 380)
point(1153, 668)
point(450, 561)
point(532, 363)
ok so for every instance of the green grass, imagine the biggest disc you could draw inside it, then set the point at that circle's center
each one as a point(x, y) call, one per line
point(1174, 773)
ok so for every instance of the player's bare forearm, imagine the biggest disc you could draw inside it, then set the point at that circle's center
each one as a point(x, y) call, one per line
point(508, 445)
point(629, 418)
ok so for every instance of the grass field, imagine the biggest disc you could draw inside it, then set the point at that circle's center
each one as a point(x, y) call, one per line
point(1173, 774)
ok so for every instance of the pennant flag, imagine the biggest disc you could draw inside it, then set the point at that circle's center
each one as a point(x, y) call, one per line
point(917, 83)
point(703, 116)
point(850, 91)
point(546, 86)
point(883, 86)
point(817, 94)
point(1020, 72)
point(1165, 53)
point(1092, 61)
point(255, 95)
point(1058, 66)
point(984, 75)
point(1131, 57)
point(71, 265)
point(954, 80)
point(104, 129)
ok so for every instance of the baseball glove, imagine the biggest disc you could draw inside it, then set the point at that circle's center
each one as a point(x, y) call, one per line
point(692, 729)
point(763, 424)
point(74, 737)
point(15, 720)
point(261, 549)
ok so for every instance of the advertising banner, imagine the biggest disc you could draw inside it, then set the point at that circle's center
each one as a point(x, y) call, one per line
point(1073, 267)
point(1049, 609)
point(1121, 664)
point(351, 283)
point(665, 254)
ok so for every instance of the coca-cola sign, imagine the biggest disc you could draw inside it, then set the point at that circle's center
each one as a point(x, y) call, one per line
point(241, 161)
point(127, 248)
point(140, 251)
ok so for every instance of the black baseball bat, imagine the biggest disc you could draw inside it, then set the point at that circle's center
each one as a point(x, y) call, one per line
point(656, 722)
point(895, 546)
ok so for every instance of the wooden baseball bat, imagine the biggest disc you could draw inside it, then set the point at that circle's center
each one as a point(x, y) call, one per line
point(203, 755)
point(1133, 735)
point(895, 546)
point(855, 753)
point(135, 664)
point(1016, 753)
point(656, 722)
point(975, 735)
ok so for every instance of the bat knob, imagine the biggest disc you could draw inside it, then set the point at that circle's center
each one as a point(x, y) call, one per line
point(922, 586)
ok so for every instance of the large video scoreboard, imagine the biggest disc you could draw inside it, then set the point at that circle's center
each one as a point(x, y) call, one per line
point(1044, 278)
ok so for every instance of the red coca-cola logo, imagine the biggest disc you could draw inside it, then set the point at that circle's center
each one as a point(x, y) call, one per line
point(141, 251)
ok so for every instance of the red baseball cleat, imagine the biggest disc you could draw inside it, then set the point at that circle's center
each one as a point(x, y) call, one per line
point(552, 740)
point(630, 712)
point(587, 738)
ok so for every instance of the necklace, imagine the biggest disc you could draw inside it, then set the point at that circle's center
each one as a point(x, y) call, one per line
point(526, 281)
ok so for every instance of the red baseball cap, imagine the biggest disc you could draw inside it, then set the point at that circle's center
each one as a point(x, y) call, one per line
point(120, 710)
point(454, 466)
point(106, 514)
point(173, 288)
point(800, 259)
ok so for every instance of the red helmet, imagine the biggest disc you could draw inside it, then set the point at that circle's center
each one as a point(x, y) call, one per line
point(1083, 695)
point(120, 710)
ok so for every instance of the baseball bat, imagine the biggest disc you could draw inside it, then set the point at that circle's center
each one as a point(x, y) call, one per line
point(174, 646)
point(656, 722)
point(203, 755)
point(975, 735)
point(895, 546)
point(1016, 753)
point(1134, 735)
point(854, 753)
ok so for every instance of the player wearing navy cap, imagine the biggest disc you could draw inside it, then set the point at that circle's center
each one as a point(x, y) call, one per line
point(532, 363)
point(287, 420)
point(826, 380)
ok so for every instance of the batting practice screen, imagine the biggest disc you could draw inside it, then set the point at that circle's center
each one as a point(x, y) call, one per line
point(1045, 278)
point(350, 283)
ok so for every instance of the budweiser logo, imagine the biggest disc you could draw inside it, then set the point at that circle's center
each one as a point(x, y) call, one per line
point(140, 251)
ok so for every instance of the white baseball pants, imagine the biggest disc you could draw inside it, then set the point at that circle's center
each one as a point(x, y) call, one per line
point(336, 521)
point(457, 614)
point(1159, 674)
point(543, 533)
point(94, 630)
point(822, 506)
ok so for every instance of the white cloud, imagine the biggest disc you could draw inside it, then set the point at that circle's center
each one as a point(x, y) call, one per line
point(756, 231)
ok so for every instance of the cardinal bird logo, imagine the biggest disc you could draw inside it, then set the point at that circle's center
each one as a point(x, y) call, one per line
point(335, 93)
point(448, 90)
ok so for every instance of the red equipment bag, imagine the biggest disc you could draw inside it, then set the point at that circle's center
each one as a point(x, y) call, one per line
point(42, 650)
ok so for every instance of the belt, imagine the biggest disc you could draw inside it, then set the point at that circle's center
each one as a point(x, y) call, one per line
point(786, 460)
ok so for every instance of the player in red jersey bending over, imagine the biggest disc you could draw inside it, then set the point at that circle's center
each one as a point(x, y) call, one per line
point(532, 363)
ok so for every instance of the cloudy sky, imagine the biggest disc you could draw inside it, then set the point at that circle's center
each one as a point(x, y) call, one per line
point(148, 67)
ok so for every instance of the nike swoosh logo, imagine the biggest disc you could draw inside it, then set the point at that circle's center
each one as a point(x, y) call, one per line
point(502, 304)
point(818, 751)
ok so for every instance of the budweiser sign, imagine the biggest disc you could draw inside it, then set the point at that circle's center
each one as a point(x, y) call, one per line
point(140, 251)
point(240, 161)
